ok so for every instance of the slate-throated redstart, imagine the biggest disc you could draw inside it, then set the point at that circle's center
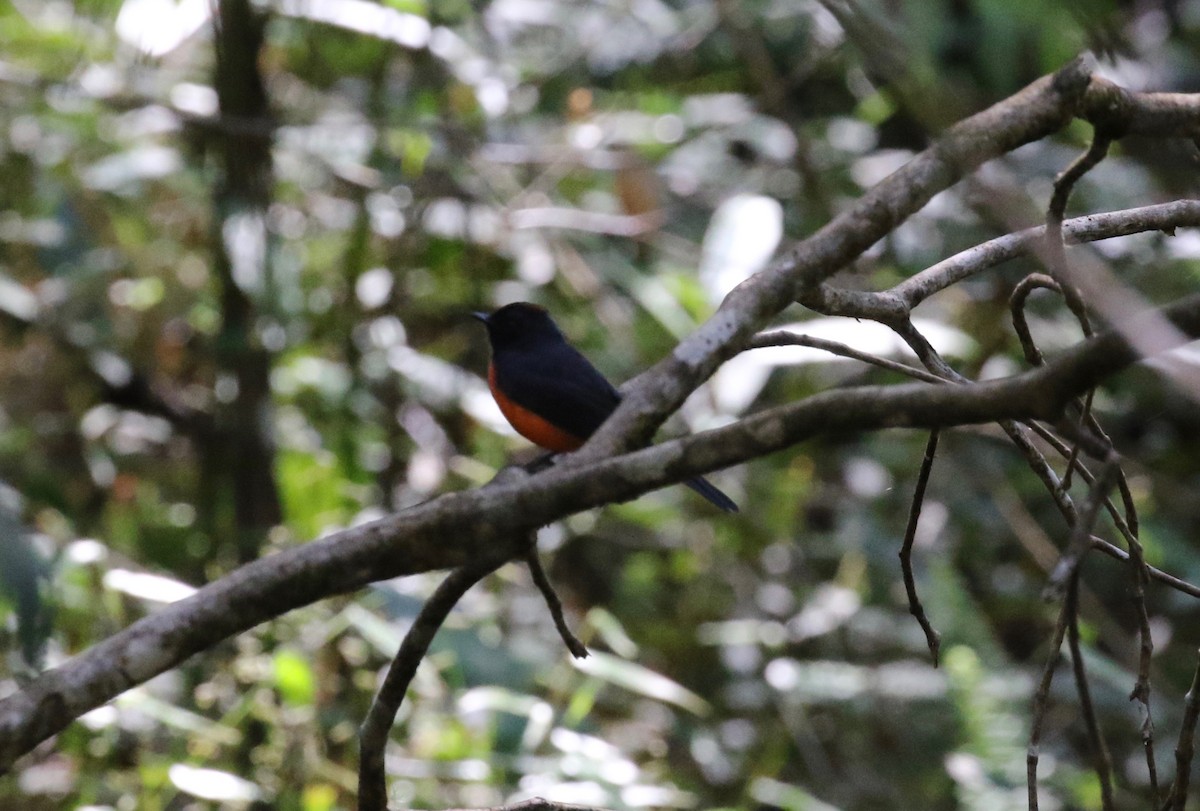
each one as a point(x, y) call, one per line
point(549, 392)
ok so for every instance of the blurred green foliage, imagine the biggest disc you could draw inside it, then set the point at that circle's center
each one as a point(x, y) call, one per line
point(430, 159)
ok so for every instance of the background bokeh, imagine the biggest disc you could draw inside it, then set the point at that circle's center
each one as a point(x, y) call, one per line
point(222, 335)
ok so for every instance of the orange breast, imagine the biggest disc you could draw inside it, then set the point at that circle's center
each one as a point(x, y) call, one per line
point(529, 425)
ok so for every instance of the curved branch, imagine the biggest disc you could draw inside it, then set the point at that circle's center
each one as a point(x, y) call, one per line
point(373, 735)
point(889, 304)
point(775, 338)
point(554, 604)
point(1054, 248)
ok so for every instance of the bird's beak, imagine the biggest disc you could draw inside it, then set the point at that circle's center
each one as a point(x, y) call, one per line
point(480, 316)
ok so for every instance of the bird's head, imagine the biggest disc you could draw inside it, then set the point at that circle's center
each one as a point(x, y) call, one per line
point(520, 323)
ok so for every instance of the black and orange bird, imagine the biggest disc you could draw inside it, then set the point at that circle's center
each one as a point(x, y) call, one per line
point(550, 393)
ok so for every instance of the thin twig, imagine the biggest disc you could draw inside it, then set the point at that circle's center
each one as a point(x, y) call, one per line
point(1170, 580)
point(1073, 457)
point(880, 305)
point(1036, 460)
point(766, 340)
point(1081, 530)
point(781, 338)
point(1042, 697)
point(1128, 524)
point(1016, 304)
point(1095, 736)
point(1112, 475)
point(1033, 354)
point(1177, 799)
point(1081, 539)
point(932, 638)
point(925, 352)
point(1055, 247)
point(1141, 572)
point(577, 648)
point(1064, 450)
point(1076, 306)
point(373, 735)
point(1041, 467)
point(1067, 616)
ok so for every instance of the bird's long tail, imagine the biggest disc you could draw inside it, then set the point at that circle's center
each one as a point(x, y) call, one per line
point(710, 492)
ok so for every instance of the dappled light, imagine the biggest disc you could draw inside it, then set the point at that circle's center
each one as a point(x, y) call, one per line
point(911, 285)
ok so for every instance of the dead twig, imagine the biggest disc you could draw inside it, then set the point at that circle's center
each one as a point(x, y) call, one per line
point(1095, 735)
point(1041, 696)
point(932, 638)
point(577, 648)
point(1177, 797)
point(1080, 540)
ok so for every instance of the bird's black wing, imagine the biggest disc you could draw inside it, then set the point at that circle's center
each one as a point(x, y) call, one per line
point(559, 385)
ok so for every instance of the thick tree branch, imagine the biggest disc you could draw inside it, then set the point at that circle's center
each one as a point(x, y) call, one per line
point(490, 520)
point(1045, 106)
point(1120, 112)
point(890, 304)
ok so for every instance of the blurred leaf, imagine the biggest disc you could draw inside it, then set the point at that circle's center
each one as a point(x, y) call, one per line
point(16, 300)
point(146, 586)
point(384, 636)
point(641, 680)
point(312, 488)
point(294, 678)
point(612, 632)
point(214, 784)
point(141, 702)
point(744, 232)
point(776, 794)
point(319, 797)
